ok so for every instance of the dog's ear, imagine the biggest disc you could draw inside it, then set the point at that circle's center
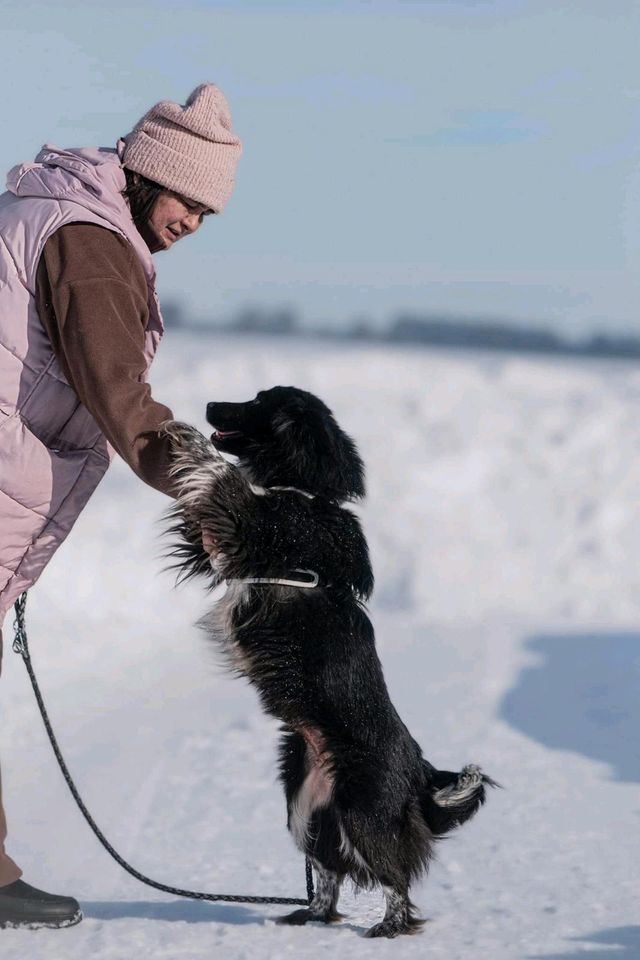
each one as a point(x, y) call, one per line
point(295, 411)
point(319, 452)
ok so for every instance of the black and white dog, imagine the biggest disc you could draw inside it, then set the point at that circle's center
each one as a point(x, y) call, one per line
point(362, 801)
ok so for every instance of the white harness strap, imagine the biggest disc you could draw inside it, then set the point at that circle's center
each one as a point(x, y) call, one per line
point(305, 493)
point(306, 584)
point(285, 581)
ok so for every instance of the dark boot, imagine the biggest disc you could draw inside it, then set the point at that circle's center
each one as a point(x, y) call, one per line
point(24, 906)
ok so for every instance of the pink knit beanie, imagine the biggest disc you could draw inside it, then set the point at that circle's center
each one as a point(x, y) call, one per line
point(190, 149)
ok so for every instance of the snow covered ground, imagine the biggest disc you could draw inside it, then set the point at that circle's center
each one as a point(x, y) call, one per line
point(504, 520)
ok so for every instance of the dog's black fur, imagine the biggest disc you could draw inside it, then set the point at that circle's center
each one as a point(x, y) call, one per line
point(362, 801)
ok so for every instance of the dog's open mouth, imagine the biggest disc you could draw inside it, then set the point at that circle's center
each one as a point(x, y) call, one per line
point(225, 434)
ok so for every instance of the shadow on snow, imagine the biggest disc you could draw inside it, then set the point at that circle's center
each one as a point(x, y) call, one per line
point(619, 943)
point(583, 695)
point(189, 911)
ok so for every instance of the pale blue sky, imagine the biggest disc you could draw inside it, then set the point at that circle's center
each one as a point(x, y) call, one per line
point(478, 157)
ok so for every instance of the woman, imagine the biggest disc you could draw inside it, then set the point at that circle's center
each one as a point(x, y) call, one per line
point(79, 326)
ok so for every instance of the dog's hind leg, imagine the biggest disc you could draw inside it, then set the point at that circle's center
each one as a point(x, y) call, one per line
point(306, 773)
point(305, 770)
point(383, 850)
point(325, 900)
point(399, 917)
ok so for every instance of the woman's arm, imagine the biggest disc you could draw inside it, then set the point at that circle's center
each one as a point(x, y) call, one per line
point(91, 295)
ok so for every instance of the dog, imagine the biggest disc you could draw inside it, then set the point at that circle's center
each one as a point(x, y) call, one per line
point(362, 801)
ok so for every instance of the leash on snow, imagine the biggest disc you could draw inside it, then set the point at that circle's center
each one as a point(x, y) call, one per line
point(21, 646)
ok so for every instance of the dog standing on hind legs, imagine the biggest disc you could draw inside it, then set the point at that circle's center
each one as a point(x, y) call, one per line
point(362, 801)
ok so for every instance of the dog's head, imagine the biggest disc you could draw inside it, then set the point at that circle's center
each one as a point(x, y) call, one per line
point(288, 437)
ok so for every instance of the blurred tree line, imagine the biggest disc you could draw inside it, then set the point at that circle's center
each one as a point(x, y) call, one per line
point(428, 329)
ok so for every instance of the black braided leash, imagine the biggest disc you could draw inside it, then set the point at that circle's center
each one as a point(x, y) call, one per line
point(21, 646)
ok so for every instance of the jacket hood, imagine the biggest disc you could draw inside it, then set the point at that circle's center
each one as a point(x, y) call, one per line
point(92, 177)
point(83, 175)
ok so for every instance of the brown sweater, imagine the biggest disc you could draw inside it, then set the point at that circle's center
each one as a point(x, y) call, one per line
point(91, 296)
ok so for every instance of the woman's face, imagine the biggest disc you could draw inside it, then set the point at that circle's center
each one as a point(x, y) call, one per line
point(172, 217)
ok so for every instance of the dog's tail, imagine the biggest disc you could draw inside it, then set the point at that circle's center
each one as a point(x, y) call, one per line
point(449, 799)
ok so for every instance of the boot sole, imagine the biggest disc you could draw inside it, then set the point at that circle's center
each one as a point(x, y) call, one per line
point(51, 924)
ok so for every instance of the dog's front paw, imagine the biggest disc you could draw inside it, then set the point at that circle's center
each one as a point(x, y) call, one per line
point(182, 434)
point(190, 448)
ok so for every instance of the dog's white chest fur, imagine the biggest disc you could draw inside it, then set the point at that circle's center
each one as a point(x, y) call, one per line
point(219, 623)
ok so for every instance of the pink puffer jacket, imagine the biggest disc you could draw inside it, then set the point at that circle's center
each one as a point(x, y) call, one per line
point(52, 453)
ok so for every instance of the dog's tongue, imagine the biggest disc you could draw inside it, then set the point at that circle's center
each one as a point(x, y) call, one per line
point(221, 434)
